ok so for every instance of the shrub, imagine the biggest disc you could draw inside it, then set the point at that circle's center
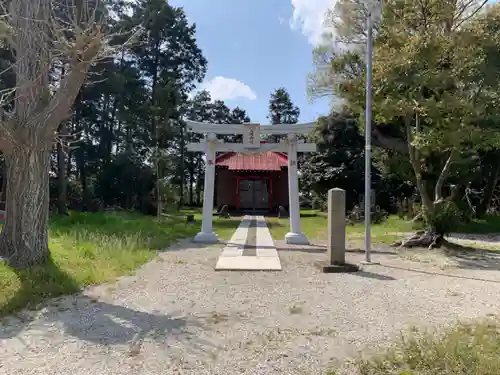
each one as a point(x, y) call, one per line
point(356, 215)
point(444, 218)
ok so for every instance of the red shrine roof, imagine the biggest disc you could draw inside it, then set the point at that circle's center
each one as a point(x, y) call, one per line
point(264, 161)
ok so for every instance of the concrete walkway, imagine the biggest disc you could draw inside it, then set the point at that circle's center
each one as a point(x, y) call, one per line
point(250, 249)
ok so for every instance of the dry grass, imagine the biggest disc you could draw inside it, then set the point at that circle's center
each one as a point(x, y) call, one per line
point(467, 349)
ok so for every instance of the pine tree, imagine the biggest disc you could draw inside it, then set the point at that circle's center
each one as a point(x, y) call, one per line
point(282, 110)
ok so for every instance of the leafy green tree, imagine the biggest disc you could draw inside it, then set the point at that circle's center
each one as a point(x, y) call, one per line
point(435, 81)
point(339, 161)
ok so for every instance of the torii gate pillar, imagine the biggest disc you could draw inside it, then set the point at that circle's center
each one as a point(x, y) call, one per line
point(207, 235)
point(295, 236)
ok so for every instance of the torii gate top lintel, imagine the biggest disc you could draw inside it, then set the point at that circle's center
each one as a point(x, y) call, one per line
point(202, 127)
point(251, 136)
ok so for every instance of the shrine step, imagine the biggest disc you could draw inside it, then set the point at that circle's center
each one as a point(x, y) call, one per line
point(250, 249)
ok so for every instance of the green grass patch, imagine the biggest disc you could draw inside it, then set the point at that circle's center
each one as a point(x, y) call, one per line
point(92, 248)
point(312, 225)
point(315, 226)
point(486, 225)
point(468, 349)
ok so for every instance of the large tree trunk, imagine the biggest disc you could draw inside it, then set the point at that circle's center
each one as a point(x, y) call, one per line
point(40, 41)
point(24, 237)
point(430, 237)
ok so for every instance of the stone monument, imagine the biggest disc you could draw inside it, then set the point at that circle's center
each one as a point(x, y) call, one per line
point(336, 235)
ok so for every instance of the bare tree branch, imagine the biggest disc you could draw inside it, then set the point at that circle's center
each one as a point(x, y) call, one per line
point(462, 18)
point(438, 190)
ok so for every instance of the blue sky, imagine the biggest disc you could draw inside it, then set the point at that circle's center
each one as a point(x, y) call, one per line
point(256, 46)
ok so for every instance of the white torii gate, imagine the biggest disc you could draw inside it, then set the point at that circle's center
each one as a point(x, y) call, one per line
point(251, 143)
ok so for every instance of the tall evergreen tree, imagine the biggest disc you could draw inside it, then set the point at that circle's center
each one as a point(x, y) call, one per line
point(282, 110)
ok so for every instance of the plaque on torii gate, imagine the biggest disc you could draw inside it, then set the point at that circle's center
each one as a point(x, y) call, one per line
point(251, 143)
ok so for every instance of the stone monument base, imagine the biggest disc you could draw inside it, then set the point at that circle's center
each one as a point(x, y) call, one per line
point(326, 267)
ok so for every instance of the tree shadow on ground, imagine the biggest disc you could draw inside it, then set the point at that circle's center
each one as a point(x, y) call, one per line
point(468, 257)
point(373, 275)
point(373, 251)
point(88, 319)
point(434, 273)
point(281, 245)
point(483, 237)
point(37, 284)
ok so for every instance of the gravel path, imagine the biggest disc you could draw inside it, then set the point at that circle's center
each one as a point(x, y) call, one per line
point(178, 316)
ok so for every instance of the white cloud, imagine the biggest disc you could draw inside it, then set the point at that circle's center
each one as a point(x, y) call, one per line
point(222, 88)
point(309, 17)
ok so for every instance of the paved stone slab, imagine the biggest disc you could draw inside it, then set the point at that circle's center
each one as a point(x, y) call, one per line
point(243, 253)
point(248, 263)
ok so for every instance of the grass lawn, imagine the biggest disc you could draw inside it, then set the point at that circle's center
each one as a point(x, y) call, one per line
point(315, 225)
point(92, 248)
point(470, 349)
point(489, 224)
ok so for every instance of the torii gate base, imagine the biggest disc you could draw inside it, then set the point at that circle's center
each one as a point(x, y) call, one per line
point(206, 238)
point(251, 143)
point(296, 239)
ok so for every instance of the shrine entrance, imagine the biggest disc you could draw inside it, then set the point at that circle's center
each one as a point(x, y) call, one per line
point(254, 194)
point(252, 143)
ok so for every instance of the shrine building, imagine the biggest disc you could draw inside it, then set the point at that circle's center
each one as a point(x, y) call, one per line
point(251, 181)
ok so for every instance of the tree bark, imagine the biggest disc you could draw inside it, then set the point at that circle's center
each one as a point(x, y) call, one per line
point(24, 237)
point(416, 165)
point(428, 238)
